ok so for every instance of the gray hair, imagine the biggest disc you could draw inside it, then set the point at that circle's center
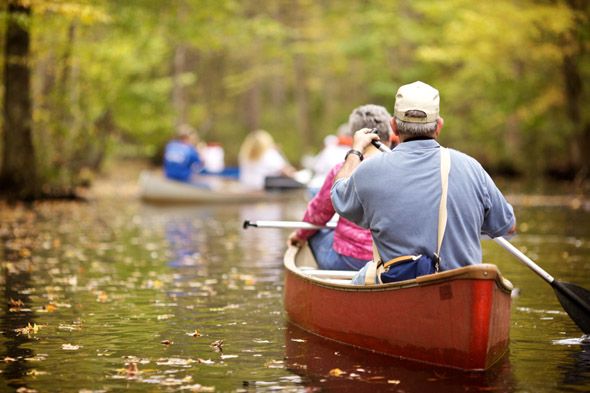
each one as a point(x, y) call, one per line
point(371, 116)
point(410, 130)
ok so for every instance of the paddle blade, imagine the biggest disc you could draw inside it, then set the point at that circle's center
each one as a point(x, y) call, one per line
point(576, 302)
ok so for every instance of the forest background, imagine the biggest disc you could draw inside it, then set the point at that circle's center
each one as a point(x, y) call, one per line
point(108, 78)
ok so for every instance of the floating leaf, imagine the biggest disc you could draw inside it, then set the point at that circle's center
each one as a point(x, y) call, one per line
point(16, 303)
point(336, 372)
point(217, 345)
point(28, 330)
point(196, 333)
point(174, 362)
point(35, 372)
point(167, 342)
point(102, 297)
point(131, 369)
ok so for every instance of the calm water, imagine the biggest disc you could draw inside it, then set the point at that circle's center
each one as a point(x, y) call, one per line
point(121, 295)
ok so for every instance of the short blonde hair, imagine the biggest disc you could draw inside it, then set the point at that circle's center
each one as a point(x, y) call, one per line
point(255, 145)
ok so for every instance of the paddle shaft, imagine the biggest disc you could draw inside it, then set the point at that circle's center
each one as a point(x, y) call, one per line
point(286, 224)
point(380, 146)
point(524, 259)
point(574, 299)
point(377, 143)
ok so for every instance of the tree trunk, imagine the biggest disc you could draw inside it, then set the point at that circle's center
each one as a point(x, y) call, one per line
point(18, 175)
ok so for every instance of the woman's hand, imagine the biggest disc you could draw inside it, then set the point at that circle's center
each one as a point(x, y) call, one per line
point(295, 240)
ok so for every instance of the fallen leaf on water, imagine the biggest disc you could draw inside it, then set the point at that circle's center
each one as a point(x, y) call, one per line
point(50, 307)
point(35, 372)
point(336, 372)
point(167, 342)
point(131, 369)
point(275, 364)
point(102, 297)
point(174, 362)
point(28, 330)
point(196, 333)
point(16, 303)
point(37, 358)
point(217, 345)
point(70, 347)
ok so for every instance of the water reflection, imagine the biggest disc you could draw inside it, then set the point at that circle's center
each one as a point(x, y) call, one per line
point(330, 366)
point(578, 372)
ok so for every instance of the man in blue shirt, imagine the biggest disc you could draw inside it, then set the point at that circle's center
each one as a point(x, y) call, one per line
point(181, 158)
point(397, 194)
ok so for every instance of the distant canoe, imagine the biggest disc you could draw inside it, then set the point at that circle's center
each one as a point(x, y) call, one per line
point(458, 318)
point(157, 189)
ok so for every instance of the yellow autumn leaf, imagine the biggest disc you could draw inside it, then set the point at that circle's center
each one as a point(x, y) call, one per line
point(336, 372)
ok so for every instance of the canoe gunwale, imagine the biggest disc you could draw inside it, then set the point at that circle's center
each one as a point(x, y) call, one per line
point(482, 271)
point(155, 189)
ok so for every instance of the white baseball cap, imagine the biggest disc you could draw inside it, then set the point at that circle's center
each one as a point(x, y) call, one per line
point(417, 96)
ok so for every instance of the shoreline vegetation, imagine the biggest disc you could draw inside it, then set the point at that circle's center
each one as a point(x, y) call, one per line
point(119, 180)
point(85, 82)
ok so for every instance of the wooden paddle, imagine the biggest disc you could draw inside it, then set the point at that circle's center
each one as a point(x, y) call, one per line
point(574, 299)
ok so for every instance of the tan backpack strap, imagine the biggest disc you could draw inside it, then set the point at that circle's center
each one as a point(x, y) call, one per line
point(445, 168)
point(376, 256)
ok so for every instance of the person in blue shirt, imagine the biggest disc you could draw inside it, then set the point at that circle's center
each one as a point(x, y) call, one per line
point(397, 195)
point(181, 158)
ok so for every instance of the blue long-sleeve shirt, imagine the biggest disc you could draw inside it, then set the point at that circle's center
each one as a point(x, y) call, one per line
point(180, 161)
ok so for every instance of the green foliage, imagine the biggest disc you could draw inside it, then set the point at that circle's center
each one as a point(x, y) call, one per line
point(111, 73)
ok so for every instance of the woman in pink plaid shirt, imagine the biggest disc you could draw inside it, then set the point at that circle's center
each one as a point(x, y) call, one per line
point(348, 246)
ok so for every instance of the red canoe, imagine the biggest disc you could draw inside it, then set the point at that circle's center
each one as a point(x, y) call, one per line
point(458, 318)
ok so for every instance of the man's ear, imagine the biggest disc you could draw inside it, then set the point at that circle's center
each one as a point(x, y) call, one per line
point(394, 126)
point(440, 122)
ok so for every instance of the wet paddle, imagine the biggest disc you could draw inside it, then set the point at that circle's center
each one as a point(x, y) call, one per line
point(574, 299)
point(286, 224)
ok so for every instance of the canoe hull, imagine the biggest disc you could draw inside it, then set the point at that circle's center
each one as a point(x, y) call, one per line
point(155, 188)
point(462, 321)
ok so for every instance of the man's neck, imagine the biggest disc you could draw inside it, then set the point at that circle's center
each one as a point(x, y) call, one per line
point(417, 138)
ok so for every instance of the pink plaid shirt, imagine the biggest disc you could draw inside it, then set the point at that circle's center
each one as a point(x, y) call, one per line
point(349, 239)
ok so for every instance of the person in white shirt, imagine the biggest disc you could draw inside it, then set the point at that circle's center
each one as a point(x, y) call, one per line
point(259, 158)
